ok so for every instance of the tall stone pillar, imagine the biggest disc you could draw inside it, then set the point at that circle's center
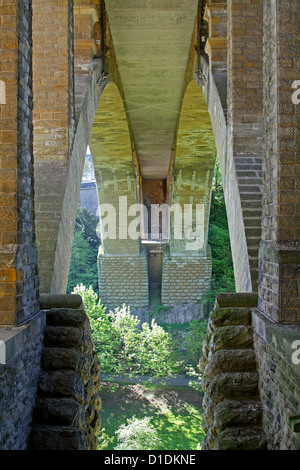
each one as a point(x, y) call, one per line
point(122, 263)
point(279, 280)
point(245, 133)
point(187, 264)
point(53, 119)
point(19, 300)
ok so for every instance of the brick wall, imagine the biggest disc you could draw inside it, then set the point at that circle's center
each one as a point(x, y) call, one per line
point(185, 278)
point(53, 122)
point(123, 280)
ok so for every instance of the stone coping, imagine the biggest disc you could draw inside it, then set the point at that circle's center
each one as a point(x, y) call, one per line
point(48, 301)
point(14, 339)
point(237, 299)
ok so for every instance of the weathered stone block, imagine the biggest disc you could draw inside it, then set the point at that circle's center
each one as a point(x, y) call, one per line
point(241, 439)
point(63, 384)
point(230, 316)
point(236, 413)
point(63, 336)
point(233, 385)
point(58, 438)
point(234, 360)
point(232, 337)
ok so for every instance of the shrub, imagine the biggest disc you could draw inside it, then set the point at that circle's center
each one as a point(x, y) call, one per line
point(138, 434)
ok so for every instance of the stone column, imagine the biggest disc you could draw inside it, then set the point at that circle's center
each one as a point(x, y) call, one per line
point(279, 281)
point(187, 264)
point(18, 265)
point(53, 119)
point(123, 274)
point(245, 133)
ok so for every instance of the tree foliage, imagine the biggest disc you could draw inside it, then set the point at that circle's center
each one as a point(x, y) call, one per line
point(219, 241)
point(125, 347)
point(137, 434)
point(83, 264)
point(193, 341)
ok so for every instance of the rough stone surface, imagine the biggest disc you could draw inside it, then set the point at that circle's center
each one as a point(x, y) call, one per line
point(249, 60)
point(232, 416)
point(67, 411)
point(191, 273)
point(18, 382)
point(279, 380)
point(279, 260)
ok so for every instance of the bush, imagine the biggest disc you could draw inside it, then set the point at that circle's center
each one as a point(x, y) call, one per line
point(138, 434)
point(122, 347)
point(193, 341)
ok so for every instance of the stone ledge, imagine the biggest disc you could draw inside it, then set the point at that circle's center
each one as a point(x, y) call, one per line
point(233, 299)
point(14, 339)
point(48, 301)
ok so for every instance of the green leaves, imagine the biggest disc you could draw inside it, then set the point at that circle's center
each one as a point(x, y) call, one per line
point(137, 434)
point(123, 346)
point(83, 264)
point(219, 241)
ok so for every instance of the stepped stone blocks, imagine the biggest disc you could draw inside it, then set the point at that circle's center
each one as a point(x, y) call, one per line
point(185, 278)
point(216, 45)
point(232, 416)
point(67, 409)
point(85, 48)
point(123, 280)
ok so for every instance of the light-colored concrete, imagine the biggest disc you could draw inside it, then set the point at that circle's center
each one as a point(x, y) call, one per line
point(152, 41)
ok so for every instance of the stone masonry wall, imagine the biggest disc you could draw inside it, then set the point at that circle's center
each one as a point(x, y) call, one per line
point(26, 256)
point(123, 280)
point(18, 382)
point(185, 278)
point(279, 381)
point(245, 119)
point(280, 252)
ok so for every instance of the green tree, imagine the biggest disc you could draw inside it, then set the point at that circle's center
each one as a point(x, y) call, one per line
point(103, 333)
point(123, 347)
point(156, 354)
point(193, 341)
point(88, 223)
point(83, 263)
point(219, 241)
